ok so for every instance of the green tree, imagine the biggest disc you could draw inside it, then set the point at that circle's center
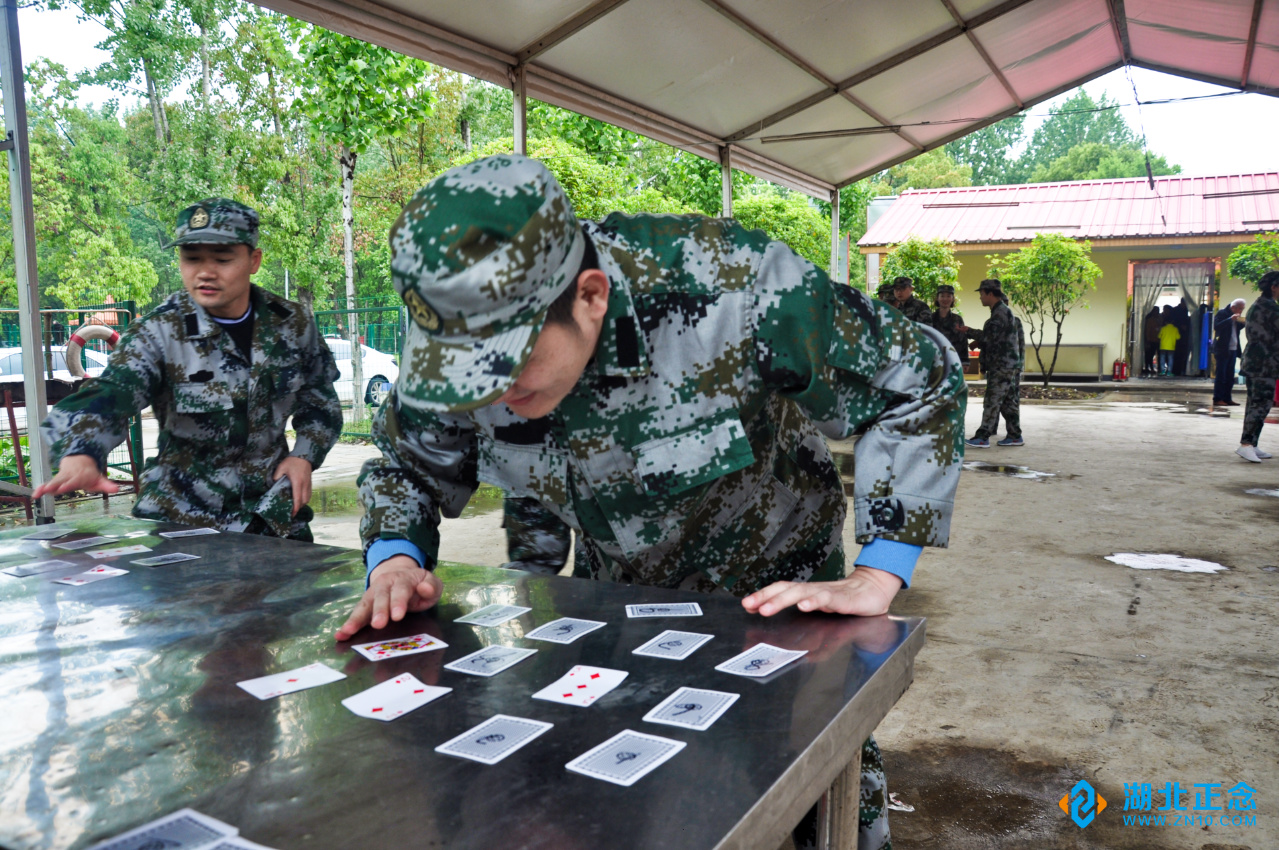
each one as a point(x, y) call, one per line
point(788, 217)
point(1098, 161)
point(1045, 281)
point(929, 263)
point(1251, 260)
point(987, 151)
point(1078, 121)
point(935, 169)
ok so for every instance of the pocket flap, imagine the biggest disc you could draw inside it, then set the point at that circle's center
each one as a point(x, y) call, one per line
point(670, 465)
point(194, 397)
point(524, 470)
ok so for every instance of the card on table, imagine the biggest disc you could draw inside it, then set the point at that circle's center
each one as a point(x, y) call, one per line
point(493, 615)
point(625, 758)
point(236, 843)
point(674, 645)
point(760, 660)
point(98, 573)
point(310, 676)
point(490, 660)
point(83, 543)
point(162, 560)
point(186, 829)
point(670, 609)
point(494, 739)
point(188, 532)
point(35, 568)
point(393, 698)
point(564, 630)
point(379, 650)
point(692, 708)
point(48, 532)
point(582, 685)
point(137, 549)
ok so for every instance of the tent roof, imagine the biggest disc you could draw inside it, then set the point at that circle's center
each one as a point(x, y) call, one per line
point(813, 94)
point(1089, 209)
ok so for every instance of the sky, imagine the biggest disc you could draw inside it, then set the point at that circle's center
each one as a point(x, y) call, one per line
point(1221, 135)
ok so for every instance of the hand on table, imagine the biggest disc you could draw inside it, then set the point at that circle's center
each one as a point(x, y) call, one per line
point(397, 587)
point(77, 472)
point(867, 592)
point(299, 472)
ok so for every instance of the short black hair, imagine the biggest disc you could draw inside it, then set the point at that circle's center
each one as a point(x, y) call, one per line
point(1268, 282)
point(902, 281)
point(560, 312)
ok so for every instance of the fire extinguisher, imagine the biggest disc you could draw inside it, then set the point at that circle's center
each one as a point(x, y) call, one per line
point(1119, 372)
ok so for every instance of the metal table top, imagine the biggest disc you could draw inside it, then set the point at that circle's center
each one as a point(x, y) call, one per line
point(121, 705)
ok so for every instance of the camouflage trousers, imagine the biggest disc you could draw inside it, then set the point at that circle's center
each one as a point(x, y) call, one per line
point(1261, 397)
point(872, 813)
point(1003, 397)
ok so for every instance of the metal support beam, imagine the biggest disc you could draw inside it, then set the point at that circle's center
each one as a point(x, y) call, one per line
point(836, 273)
point(981, 51)
point(1252, 44)
point(726, 181)
point(566, 30)
point(519, 85)
point(1119, 22)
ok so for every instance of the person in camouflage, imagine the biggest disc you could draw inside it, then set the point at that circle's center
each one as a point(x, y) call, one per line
point(1260, 366)
point(911, 307)
point(885, 294)
point(224, 365)
point(1002, 348)
point(948, 322)
point(662, 384)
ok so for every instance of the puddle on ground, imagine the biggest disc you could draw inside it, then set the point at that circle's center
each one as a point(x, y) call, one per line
point(1157, 561)
point(1260, 492)
point(336, 500)
point(1010, 470)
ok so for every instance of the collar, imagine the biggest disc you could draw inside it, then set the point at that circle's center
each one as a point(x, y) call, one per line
point(622, 348)
point(198, 324)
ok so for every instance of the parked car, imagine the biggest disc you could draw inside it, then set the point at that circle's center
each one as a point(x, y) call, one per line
point(11, 372)
point(380, 371)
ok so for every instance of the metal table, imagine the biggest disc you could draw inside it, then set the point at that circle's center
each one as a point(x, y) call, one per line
point(121, 705)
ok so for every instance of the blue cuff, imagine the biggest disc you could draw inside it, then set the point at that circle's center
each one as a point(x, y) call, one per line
point(887, 555)
point(380, 550)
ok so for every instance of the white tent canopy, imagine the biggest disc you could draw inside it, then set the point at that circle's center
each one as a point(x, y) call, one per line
point(813, 94)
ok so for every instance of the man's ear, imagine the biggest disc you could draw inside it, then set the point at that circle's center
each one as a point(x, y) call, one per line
point(255, 260)
point(592, 295)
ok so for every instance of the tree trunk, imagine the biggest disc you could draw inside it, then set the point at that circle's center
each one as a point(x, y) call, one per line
point(347, 164)
point(157, 108)
point(206, 87)
point(275, 105)
point(466, 135)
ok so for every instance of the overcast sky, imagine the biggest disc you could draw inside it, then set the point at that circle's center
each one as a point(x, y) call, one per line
point(1223, 135)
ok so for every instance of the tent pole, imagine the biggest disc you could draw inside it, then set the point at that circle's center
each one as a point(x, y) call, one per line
point(24, 247)
point(519, 86)
point(834, 238)
point(726, 180)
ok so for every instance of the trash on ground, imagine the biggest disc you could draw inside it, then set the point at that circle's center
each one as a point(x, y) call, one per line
point(1156, 561)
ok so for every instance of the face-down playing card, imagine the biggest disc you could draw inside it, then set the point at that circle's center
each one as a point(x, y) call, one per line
point(163, 560)
point(35, 568)
point(692, 708)
point(582, 686)
point(674, 645)
point(668, 609)
point(760, 660)
point(380, 650)
point(393, 698)
point(494, 739)
point(185, 829)
point(564, 630)
point(490, 660)
point(625, 758)
point(267, 687)
point(493, 615)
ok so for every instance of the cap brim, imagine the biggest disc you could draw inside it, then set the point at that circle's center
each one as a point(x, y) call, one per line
point(205, 239)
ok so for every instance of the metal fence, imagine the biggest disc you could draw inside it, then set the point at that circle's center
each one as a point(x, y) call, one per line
point(381, 331)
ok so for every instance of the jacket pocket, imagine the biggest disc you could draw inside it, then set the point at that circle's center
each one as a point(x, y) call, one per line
point(670, 465)
point(524, 471)
point(201, 411)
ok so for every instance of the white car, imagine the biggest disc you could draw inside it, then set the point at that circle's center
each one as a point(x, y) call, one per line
point(11, 372)
point(380, 371)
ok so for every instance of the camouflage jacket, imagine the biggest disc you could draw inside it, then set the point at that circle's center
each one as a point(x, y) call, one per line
point(917, 311)
point(1261, 356)
point(1000, 341)
point(949, 328)
point(221, 418)
point(690, 453)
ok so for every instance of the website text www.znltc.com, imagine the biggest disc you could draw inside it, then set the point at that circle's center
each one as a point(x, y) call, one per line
point(1189, 820)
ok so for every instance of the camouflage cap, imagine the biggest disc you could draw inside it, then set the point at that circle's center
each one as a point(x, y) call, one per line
point(478, 255)
point(216, 221)
point(945, 288)
point(991, 285)
point(885, 290)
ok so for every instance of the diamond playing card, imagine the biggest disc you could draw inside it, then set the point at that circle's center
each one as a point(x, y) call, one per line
point(670, 609)
point(161, 560)
point(582, 685)
point(490, 661)
point(760, 660)
point(494, 739)
point(692, 708)
point(277, 684)
point(48, 532)
point(83, 543)
point(186, 829)
point(393, 698)
point(35, 568)
point(493, 615)
point(98, 573)
point(188, 532)
point(379, 650)
point(564, 630)
point(115, 553)
point(674, 645)
point(625, 758)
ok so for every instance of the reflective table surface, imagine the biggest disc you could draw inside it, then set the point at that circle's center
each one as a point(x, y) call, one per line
point(120, 705)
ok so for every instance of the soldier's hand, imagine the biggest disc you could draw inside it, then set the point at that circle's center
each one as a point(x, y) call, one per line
point(396, 587)
point(77, 472)
point(299, 472)
point(867, 592)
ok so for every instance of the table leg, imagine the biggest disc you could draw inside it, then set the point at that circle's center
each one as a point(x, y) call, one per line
point(837, 812)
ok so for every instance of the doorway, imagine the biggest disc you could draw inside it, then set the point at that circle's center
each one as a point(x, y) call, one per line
point(1172, 292)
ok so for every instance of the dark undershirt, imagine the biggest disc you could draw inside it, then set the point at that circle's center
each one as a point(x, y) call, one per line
point(241, 332)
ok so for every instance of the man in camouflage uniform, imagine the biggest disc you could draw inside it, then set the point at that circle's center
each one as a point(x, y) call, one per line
point(1001, 358)
point(885, 294)
point(1260, 366)
point(665, 384)
point(911, 307)
point(224, 365)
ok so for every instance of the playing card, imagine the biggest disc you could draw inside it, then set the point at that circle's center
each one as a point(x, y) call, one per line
point(670, 609)
point(582, 685)
point(673, 645)
point(48, 532)
point(188, 532)
point(493, 615)
point(490, 661)
point(98, 573)
point(83, 543)
point(186, 829)
point(564, 630)
point(115, 553)
point(760, 660)
point(692, 708)
point(35, 568)
point(394, 648)
point(161, 560)
point(236, 843)
point(494, 739)
point(393, 698)
point(625, 757)
point(310, 676)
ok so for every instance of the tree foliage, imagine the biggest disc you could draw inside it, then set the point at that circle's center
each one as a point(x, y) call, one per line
point(1251, 260)
point(929, 263)
point(1098, 161)
point(936, 169)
